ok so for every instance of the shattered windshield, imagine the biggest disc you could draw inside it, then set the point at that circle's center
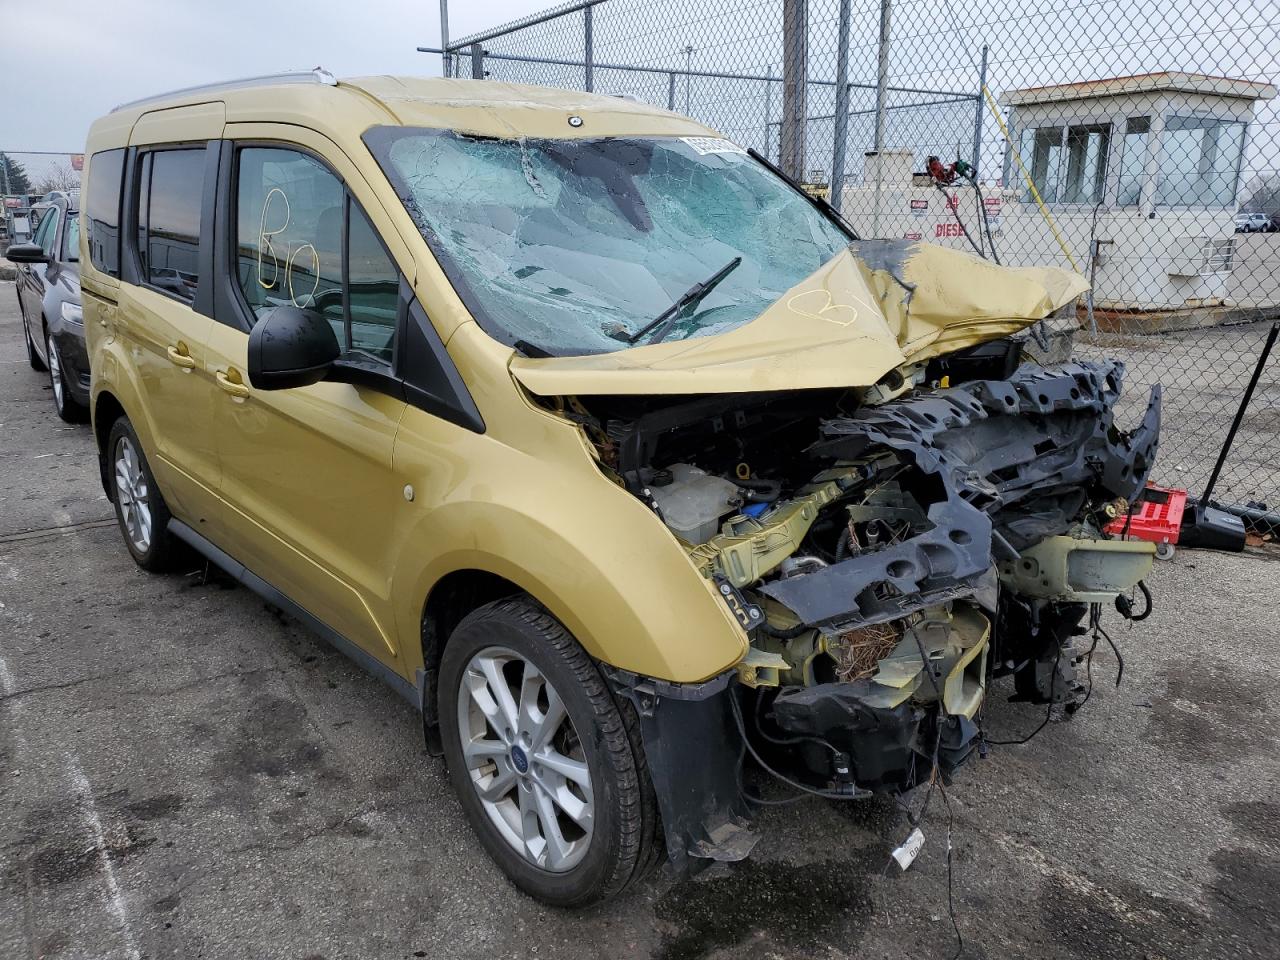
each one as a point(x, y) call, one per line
point(573, 246)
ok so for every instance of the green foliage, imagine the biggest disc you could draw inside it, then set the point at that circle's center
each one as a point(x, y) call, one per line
point(17, 177)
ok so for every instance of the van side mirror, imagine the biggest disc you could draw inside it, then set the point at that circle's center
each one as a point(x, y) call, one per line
point(291, 347)
point(26, 253)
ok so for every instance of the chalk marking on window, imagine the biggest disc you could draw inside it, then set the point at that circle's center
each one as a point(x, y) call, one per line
point(265, 235)
point(310, 296)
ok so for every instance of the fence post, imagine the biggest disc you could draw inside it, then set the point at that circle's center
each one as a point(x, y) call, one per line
point(444, 36)
point(882, 96)
point(671, 92)
point(842, 108)
point(588, 57)
point(795, 76)
point(979, 110)
point(768, 116)
point(477, 61)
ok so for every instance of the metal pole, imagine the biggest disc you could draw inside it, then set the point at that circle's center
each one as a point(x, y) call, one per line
point(768, 116)
point(882, 96)
point(444, 36)
point(671, 92)
point(965, 95)
point(979, 110)
point(588, 66)
point(688, 67)
point(795, 76)
point(1244, 405)
point(842, 108)
point(477, 61)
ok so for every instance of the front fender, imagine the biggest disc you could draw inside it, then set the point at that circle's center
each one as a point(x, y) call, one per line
point(552, 524)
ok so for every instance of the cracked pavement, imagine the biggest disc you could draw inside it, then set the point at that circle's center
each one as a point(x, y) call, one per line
point(186, 773)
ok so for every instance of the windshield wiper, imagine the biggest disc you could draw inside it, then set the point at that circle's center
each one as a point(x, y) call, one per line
point(690, 298)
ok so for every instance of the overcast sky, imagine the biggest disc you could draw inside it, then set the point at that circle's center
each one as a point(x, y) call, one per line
point(103, 52)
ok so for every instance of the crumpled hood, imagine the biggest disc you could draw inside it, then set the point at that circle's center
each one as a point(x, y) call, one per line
point(873, 307)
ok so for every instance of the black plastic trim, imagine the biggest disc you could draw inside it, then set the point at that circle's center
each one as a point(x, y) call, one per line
point(203, 301)
point(130, 267)
point(242, 574)
point(227, 308)
point(431, 381)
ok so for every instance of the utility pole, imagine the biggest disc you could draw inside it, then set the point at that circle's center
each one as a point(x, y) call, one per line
point(882, 102)
point(795, 76)
point(444, 37)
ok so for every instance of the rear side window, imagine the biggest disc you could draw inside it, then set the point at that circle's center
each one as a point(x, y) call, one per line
point(102, 210)
point(170, 194)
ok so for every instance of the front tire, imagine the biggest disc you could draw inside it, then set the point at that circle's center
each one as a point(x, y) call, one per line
point(140, 508)
point(547, 767)
point(33, 358)
point(68, 407)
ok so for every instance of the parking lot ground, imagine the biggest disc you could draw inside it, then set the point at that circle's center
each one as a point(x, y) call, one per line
point(185, 773)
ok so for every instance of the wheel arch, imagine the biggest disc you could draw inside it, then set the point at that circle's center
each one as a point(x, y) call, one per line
point(107, 409)
point(451, 598)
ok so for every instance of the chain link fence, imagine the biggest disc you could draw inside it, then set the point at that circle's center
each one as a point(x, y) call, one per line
point(1134, 141)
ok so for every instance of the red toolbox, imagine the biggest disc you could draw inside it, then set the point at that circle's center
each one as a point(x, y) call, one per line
point(1156, 516)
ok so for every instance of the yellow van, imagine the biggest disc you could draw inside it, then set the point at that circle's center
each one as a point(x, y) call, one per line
point(615, 453)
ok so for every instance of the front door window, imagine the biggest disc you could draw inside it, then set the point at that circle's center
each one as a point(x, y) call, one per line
point(302, 240)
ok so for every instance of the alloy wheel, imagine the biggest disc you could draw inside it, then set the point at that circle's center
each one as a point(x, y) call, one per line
point(525, 760)
point(55, 371)
point(133, 495)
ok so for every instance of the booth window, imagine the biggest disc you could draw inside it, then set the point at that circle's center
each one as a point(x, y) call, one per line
point(1042, 156)
point(1200, 165)
point(1133, 161)
point(1087, 147)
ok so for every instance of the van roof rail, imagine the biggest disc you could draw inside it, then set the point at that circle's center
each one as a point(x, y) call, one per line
point(316, 75)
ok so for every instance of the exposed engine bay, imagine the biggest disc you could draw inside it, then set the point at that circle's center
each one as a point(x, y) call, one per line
point(890, 551)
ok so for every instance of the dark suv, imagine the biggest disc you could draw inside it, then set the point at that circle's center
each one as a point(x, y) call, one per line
point(49, 299)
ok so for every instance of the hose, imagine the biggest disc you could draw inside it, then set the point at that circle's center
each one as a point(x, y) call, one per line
point(783, 633)
point(955, 212)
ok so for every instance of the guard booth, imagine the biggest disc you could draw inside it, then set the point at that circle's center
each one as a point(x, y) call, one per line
point(1150, 165)
point(1133, 181)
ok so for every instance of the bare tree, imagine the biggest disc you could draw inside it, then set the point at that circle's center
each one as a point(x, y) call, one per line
point(60, 176)
point(1263, 195)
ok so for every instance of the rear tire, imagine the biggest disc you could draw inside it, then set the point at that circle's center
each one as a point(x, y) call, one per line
point(556, 787)
point(140, 508)
point(69, 408)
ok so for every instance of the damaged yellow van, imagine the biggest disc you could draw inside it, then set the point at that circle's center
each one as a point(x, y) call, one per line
point(616, 454)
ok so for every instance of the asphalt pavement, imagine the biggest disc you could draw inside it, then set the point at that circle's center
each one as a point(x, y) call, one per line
point(186, 773)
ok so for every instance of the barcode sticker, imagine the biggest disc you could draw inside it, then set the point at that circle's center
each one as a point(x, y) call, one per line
point(705, 145)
